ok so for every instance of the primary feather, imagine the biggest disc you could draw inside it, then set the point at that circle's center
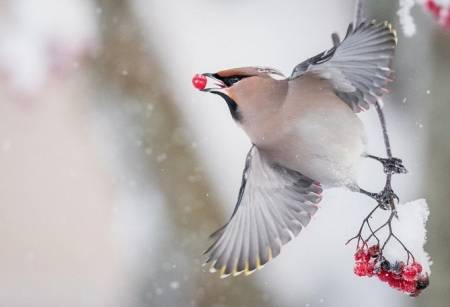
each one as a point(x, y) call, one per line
point(359, 68)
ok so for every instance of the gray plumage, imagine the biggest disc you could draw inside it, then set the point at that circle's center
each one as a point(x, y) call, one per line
point(305, 136)
point(360, 67)
point(274, 203)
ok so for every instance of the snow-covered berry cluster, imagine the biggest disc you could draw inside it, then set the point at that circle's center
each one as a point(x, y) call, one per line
point(407, 278)
point(440, 10)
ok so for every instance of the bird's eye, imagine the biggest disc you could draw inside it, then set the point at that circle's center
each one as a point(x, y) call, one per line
point(229, 81)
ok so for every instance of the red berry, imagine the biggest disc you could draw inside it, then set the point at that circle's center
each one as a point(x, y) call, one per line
point(384, 275)
point(442, 13)
point(199, 81)
point(360, 268)
point(410, 273)
point(395, 283)
point(409, 286)
point(361, 255)
point(433, 7)
point(417, 266)
point(394, 275)
point(374, 250)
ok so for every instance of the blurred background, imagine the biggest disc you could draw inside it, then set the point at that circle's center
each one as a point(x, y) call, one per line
point(114, 170)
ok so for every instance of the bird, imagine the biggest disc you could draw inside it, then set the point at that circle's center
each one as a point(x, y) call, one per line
point(306, 137)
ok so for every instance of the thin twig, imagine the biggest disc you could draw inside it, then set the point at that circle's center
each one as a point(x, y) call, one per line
point(384, 129)
point(387, 144)
point(359, 234)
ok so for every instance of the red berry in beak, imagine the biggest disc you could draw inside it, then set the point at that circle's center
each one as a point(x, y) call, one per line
point(199, 81)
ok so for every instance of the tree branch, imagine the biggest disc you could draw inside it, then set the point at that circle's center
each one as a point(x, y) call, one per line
point(382, 119)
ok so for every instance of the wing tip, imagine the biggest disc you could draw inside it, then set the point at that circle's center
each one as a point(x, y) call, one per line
point(392, 30)
point(384, 24)
point(226, 270)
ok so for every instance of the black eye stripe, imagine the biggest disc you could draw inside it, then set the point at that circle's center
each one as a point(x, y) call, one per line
point(229, 81)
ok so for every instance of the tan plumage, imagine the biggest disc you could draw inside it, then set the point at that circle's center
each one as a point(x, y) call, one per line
point(305, 136)
point(281, 118)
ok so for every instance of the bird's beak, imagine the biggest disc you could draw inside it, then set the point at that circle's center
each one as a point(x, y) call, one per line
point(213, 79)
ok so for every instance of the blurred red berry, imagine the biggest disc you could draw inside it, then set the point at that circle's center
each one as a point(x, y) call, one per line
point(409, 286)
point(395, 283)
point(384, 275)
point(370, 269)
point(396, 275)
point(362, 255)
point(417, 266)
point(440, 12)
point(199, 81)
point(410, 273)
point(433, 7)
point(360, 268)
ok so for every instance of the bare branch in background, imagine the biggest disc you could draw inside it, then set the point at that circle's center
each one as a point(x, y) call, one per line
point(438, 171)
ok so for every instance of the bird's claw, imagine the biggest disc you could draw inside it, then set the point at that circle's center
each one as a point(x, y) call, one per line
point(386, 198)
point(393, 166)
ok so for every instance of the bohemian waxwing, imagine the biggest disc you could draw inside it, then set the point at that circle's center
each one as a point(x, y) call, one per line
point(305, 135)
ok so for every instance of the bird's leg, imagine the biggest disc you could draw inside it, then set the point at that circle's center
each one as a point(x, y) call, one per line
point(386, 197)
point(390, 165)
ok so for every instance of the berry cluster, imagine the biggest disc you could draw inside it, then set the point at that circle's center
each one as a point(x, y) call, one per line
point(406, 278)
point(441, 12)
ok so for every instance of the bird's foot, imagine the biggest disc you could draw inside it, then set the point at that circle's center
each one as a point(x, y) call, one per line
point(391, 165)
point(385, 198)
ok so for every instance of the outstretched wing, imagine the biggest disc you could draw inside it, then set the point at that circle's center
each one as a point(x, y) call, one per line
point(360, 67)
point(274, 204)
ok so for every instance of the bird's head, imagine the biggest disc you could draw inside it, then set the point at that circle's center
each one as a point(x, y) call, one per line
point(236, 85)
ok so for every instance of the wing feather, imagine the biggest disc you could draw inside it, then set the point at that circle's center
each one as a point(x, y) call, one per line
point(359, 67)
point(274, 204)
